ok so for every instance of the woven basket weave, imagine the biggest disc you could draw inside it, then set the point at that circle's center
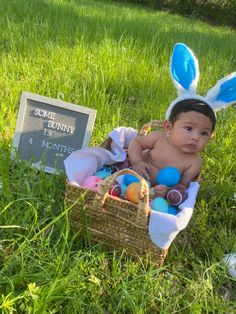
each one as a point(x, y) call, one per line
point(115, 222)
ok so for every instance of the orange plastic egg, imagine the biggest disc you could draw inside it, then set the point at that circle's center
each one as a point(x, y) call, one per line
point(132, 192)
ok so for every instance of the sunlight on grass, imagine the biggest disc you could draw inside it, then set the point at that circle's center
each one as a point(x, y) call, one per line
point(112, 57)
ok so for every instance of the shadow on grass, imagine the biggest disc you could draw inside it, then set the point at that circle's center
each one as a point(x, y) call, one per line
point(66, 24)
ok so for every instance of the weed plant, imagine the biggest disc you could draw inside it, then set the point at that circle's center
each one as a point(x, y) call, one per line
point(112, 57)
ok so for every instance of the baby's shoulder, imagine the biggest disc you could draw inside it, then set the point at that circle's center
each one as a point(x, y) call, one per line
point(154, 134)
point(158, 134)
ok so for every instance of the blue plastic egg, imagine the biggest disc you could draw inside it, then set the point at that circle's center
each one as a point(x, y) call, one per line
point(160, 204)
point(168, 176)
point(172, 210)
point(129, 178)
point(123, 188)
point(104, 172)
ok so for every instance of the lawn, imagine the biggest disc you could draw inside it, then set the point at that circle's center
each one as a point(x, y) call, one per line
point(112, 57)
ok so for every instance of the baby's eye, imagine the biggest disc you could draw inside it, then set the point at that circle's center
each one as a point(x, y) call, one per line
point(205, 133)
point(188, 128)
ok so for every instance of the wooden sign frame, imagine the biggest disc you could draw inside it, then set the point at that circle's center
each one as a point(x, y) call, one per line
point(48, 130)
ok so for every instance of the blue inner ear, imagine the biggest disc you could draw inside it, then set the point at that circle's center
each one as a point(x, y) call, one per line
point(227, 91)
point(183, 66)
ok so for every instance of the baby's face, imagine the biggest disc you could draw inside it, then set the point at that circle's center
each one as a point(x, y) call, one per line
point(191, 132)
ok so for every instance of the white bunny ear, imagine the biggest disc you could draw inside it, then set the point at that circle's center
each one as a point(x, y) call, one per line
point(223, 94)
point(184, 69)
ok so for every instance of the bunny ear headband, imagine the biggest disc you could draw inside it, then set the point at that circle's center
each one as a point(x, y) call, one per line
point(185, 74)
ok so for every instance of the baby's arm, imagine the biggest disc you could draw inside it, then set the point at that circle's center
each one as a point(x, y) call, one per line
point(136, 148)
point(191, 174)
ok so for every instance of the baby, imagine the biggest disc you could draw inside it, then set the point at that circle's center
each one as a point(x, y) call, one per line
point(190, 122)
point(187, 131)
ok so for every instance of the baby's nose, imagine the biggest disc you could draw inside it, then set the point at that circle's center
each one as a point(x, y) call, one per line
point(195, 136)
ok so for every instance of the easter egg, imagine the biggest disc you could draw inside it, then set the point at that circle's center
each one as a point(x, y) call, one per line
point(130, 178)
point(115, 190)
point(160, 204)
point(92, 183)
point(132, 192)
point(123, 188)
point(176, 196)
point(172, 210)
point(102, 174)
point(168, 176)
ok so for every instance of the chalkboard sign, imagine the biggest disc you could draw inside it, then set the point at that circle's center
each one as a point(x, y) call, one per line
point(48, 130)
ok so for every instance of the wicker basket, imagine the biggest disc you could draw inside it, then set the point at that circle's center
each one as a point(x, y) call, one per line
point(115, 222)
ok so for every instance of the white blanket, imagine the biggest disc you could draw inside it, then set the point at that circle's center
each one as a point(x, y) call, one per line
point(163, 228)
point(85, 162)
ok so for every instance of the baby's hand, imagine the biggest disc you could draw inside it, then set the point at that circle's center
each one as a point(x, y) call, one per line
point(160, 190)
point(142, 168)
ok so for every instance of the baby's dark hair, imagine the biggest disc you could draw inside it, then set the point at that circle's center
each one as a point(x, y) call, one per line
point(187, 105)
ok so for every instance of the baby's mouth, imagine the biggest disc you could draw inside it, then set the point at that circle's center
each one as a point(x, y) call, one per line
point(191, 146)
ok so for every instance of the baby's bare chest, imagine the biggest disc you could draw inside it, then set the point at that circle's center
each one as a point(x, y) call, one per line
point(164, 156)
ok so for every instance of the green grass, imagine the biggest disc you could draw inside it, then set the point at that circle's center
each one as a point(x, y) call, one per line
point(114, 58)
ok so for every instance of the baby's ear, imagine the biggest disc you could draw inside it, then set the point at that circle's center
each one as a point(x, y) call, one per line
point(167, 125)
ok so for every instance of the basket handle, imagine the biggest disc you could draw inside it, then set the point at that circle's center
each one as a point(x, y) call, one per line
point(152, 124)
point(143, 205)
point(145, 129)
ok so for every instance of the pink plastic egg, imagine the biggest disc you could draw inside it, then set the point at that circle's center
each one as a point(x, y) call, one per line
point(92, 183)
